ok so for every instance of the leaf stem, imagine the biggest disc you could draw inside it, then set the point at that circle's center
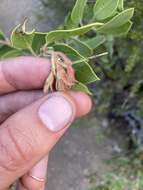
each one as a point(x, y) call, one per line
point(89, 58)
point(4, 42)
point(101, 54)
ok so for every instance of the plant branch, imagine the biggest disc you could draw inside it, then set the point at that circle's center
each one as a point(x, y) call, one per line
point(5, 42)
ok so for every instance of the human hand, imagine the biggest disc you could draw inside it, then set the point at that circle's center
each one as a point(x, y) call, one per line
point(31, 122)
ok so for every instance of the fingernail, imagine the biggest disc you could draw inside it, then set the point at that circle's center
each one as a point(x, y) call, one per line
point(56, 113)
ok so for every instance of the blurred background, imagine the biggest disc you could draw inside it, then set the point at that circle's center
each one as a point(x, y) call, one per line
point(110, 138)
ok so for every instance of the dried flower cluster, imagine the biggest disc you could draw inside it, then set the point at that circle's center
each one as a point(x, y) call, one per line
point(62, 76)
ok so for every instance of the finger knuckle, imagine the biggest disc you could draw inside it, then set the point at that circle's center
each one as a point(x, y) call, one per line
point(12, 155)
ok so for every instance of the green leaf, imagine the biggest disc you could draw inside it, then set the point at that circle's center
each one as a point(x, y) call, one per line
point(81, 47)
point(68, 23)
point(21, 40)
point(116, 22)
point(95, 41)
point(110, 45)
point(64, 34)
point(2, 37)
point(4, 49)
point(68, 50)
point(8, 51)
point(105, 8)
point(81, 87)
point(119, 31)
point(12, 53)
point(78, 10)
point(121, 5)
point(84, 73)
point(88, 12)
point(38, 41)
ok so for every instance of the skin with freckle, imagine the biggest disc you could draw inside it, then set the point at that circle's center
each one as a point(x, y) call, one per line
point(11, 103)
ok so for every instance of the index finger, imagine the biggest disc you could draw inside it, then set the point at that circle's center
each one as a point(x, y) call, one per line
point(23, 73)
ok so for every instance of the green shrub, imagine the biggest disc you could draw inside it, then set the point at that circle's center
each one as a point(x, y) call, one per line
point(127, 175)
point(120, 94)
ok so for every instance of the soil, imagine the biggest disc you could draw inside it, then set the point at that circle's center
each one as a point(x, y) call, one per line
point(82, 152)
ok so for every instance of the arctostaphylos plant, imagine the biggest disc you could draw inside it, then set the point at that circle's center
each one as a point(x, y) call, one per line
point(69, 47)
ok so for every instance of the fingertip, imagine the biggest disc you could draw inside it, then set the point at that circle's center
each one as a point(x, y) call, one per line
point(83, 103)
point(20, 186)
point(29, 183)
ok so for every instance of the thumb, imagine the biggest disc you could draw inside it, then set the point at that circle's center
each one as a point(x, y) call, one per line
point(27, 136)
